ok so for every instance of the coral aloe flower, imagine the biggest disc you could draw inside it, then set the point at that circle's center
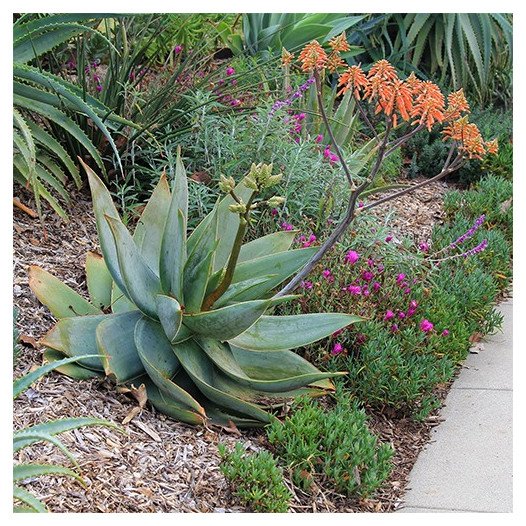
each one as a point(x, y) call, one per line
point(312, 56)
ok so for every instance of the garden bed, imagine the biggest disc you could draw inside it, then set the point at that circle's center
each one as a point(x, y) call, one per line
point(159, 465)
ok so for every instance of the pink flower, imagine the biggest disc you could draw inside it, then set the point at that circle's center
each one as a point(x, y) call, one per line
point(230, 71)
point(388, 238)
point(410, 311)
point(319, 138)
point(445, 333)
point(339, 331)
point(327, 275)
point(178, 49)
point(367, 276)
point(351, 257)
point(400, 278)
point(401, 316)
point(407, 291)
point(413, 304)
point(394, 328)
point(273, 212)
point(99, 88)
point(376, 287)
point(424, 247)
point(388, 315)
point(360, 204)
point(426, 326)
point(354, 290)
point(337, 349)
point(306, 285)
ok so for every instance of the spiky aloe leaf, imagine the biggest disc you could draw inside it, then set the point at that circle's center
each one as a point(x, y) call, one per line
point(115, 339)
point(163, 366)
point(149, 231)
point(140, 281)
point(242, 290)
point(227, 322)
point(25, 381)
point(61, 300)
point(170, 315)
point(99, 280)
point(25, 471)
point(76, 337)
point(215, 386)
point(70, 369)
point(270, 333)
point(276, 371)
point(22, 438)
point(24, 496)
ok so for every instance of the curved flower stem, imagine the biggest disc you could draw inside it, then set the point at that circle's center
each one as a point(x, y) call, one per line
point(398, 142)
point(209, 301)
point(329, 130)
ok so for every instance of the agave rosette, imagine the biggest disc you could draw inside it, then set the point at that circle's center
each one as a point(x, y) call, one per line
point(230, 363)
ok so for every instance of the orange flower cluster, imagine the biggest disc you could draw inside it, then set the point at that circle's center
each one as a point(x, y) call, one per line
point(286, 57)
point(420, 102)
point(410, 99)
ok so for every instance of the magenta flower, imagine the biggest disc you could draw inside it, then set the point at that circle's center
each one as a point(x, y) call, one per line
point(230, 71)
point(394, 328)
point(424, 247)
point(360, 204)
point(426, 326)
point(413, 304)
point(337, 349)
point(400, 278)
point(355, 290)
point(273, 212)
point(351, 257)
point(376, 287)
point(99, 88)
point(388, 238)
point(445, 333)
point(306, 285)
point(401, 315)
point(319, 138)
point(339, 331)
point(410, 311)
point(407, 291)
point(388, 315)
point(178, 49)
point(367, 275)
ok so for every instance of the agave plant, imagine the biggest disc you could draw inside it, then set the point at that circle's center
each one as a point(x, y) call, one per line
point(190, 316)
point(47, 432)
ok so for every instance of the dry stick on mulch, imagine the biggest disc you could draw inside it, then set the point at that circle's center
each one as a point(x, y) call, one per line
point(158, 465)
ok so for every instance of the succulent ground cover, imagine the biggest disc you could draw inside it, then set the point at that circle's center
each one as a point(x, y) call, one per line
point(160, 465)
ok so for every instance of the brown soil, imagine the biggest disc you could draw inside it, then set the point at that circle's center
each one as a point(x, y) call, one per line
point(156, 464)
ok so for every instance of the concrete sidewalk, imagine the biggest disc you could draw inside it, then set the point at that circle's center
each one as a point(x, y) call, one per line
point(467, 466)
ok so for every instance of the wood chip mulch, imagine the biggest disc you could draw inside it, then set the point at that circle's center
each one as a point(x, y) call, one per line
point(156, 464)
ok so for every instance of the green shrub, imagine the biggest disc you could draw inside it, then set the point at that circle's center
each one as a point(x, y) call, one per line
point(256, 479)
point(334, 444)
point(399, 370)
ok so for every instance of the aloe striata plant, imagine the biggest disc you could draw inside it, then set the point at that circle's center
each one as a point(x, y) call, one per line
point(190, 316)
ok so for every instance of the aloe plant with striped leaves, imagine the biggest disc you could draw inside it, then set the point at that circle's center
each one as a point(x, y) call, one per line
point(190, 316)
point(44, 432)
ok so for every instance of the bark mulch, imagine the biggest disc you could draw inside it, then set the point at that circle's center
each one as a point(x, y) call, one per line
point(157, 464)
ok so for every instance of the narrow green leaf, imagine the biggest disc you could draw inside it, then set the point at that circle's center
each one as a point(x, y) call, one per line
point(24, 496)
point(288, 332)
point(173, 254)
point(25, 471)
point(70, 369)
point(269, 244)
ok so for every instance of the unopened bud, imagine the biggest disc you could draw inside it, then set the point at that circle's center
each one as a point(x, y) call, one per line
point(226, 185)
point(250, 183)
point(238, 208)
point(275, 200)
